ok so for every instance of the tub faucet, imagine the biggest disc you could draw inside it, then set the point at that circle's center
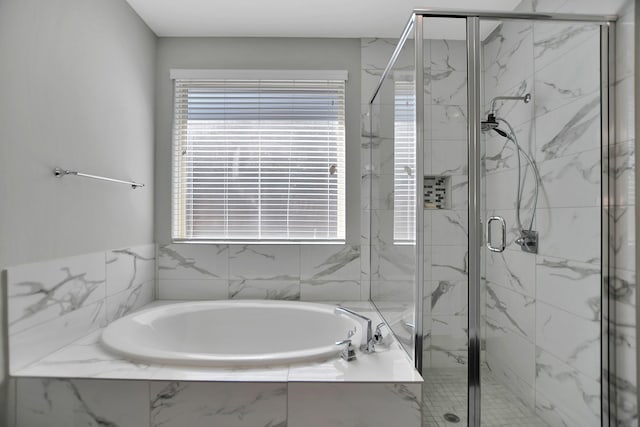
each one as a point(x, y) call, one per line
point(369, 345)
point(349, 352)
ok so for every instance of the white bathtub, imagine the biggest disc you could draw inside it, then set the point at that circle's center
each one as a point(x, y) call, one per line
point(237, 333)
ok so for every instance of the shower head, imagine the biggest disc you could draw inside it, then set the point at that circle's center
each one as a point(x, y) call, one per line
point(491, 124)
point(488, 125)
point(526, 98)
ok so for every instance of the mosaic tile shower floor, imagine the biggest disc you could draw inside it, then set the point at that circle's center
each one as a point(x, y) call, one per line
point(445, 391)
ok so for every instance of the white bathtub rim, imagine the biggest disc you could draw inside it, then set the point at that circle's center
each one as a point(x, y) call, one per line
point(140, 354)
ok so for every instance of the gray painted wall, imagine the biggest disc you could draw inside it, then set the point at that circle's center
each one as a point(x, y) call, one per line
point(77, 92)
point(254, 53)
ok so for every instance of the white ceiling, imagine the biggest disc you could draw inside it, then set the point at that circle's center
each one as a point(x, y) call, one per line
point(301, 18)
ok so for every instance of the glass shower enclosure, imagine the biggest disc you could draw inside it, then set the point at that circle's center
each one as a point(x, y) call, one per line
point(489, 138)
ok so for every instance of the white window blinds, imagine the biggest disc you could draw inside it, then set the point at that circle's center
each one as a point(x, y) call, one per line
point(404, 151)
point(259, 160)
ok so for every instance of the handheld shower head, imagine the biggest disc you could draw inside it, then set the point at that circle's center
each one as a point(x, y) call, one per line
point(500, 132)
point(489, 124)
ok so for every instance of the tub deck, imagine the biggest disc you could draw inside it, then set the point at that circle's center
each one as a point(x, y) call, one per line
point(85, 358)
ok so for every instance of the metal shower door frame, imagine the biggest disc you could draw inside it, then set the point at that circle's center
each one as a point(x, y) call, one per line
point(474, 109)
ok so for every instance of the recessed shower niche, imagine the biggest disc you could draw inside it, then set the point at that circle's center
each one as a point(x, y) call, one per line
point(437, 190)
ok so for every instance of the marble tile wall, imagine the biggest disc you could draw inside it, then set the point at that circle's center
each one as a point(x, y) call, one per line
point(292, 272)
point(445, 250)
point(624, 411)
point(46, 402)
point(52, 303)
point(445, 316)
point(542, 320)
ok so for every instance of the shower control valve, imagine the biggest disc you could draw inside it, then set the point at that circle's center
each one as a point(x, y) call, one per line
point(528, 241)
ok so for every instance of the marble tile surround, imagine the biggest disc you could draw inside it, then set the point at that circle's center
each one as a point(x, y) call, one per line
point(293, 272)
point(371, 391)
point(91, 402)
point(53, 303)
point(85, 358)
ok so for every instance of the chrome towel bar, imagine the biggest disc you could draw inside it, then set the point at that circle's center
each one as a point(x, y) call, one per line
point(58, 172)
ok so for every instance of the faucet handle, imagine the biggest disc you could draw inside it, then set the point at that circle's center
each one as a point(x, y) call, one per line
point(377, 336)
point(349, 352)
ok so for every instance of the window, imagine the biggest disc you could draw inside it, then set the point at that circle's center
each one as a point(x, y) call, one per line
point(404, 160)
point(258, 159)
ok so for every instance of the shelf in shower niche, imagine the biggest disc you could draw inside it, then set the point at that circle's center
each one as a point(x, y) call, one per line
point(437, 191)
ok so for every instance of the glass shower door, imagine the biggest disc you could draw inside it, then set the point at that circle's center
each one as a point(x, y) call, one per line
point(540, 201)
point(391, 171)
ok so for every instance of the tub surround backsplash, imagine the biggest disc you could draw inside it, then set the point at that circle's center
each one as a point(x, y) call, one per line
point(292, 272)
point(53, 303)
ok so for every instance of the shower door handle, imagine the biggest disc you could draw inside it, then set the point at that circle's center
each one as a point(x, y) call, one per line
point(503, 228)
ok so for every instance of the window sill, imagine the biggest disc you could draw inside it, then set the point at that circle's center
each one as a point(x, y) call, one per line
point(257, 242)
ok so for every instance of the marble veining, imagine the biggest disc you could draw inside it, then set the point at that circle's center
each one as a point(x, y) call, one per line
point(552, 38)
point(130, 267)
point(330, 262)
point(511, 270)
point(172, 259)
point(573, 395)
point(501, 308)
point(325, 290)
point(406, 394)
point(442, 288)
point(581, 281)
point(446, 86)
point(503, 158)
point(580, 170)
point(82, 406)
point(265, 262)
point(580, 349)
point(444, 264)
point(622, 289)
point(504, 72)
point(454, 356)
point(87, 359)
point(62, 402)
point(277, 288)
point(448, 55)
point(347, 405)
point(574, 128)
point(240, 404)
point(394, 262)
point(124, 303)
point(496, 45)
point(626, 411)
point(58, 295)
